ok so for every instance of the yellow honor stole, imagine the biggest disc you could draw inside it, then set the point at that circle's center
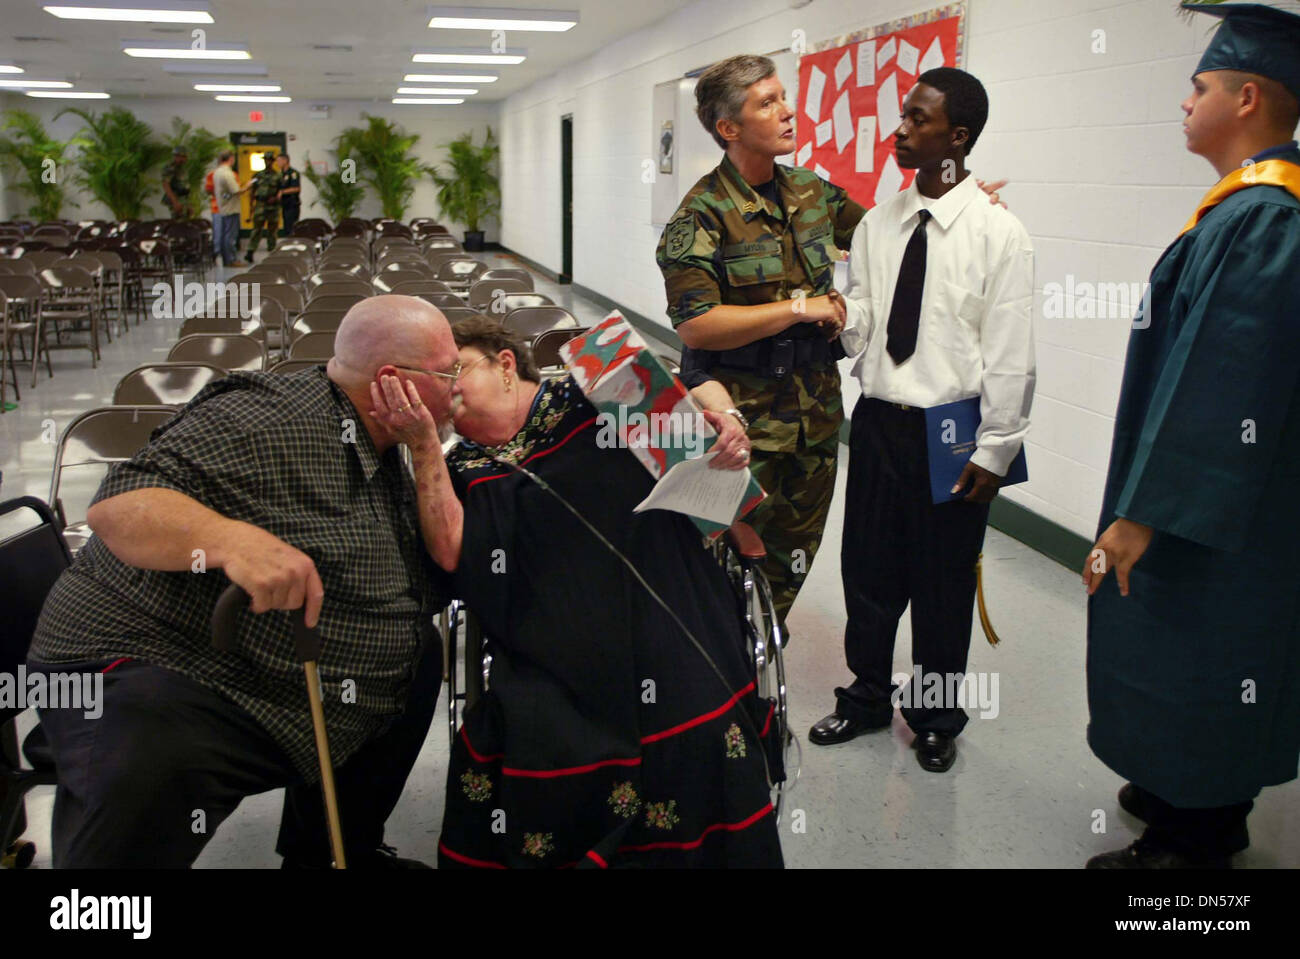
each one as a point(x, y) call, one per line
point(1265, 173)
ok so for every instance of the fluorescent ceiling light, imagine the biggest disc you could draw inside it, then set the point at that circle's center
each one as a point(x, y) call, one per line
point(10, 68)
point(217, 69)
point(467, 55)
point(450, 78)
point(501, 18)
point(443, 100)
point(169, 51)
point(133, 12)
point(438, 91)
point(234, 98)
point(47, 84)
point(237, 87)
point(67, 94)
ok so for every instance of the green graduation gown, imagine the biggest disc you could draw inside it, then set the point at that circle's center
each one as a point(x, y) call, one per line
point(1194, 677)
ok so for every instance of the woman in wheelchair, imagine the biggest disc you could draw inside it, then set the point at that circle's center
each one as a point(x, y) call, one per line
point(621, 727)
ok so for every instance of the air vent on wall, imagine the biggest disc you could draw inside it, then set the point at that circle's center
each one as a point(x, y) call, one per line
point(332, 47)
point(38, 39)
point(339, 73)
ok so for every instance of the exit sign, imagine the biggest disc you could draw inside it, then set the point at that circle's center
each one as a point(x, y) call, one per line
point(255, 116)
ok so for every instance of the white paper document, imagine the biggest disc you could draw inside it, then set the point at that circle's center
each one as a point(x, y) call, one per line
point(866, 158)
point(887, 106)
point(692, 488)
point(824, 131)
point(886, 53)
point(890, 182)
point(867, 63)
point(804, 153)
point(907, 57)
point(933, 56)
point(843, 117)
point(812, 104)
point(843, 68)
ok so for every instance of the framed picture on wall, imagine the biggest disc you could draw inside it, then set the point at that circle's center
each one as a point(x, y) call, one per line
point(666, 147)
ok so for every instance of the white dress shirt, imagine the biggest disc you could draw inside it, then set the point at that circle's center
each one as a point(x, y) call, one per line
point(976, 333)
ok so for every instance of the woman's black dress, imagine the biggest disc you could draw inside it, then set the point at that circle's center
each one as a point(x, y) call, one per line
point(605, 739)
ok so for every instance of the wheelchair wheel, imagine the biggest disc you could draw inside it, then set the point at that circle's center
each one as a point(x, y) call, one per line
point(763, 636)
point(467, 650)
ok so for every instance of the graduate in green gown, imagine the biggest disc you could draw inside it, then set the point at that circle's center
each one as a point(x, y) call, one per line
point(1194, 643)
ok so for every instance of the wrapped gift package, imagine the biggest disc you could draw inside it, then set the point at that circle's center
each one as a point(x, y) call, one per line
point(648, 410)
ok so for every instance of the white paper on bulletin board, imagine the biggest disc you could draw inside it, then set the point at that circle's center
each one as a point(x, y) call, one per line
point(863, 76)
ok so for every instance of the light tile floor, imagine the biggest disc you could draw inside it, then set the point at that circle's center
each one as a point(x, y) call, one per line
point(1025, 790)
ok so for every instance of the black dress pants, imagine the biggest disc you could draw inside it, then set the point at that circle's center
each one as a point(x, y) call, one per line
point(147, 783)
point(290, 212)
point(899, 547)
point(1210, 833)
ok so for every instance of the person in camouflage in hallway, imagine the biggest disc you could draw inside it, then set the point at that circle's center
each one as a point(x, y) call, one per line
point(266, 209)
point(748, 263)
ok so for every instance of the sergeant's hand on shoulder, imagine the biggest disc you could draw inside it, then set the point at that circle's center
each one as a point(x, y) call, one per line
point(274, 574)
point(992, 190)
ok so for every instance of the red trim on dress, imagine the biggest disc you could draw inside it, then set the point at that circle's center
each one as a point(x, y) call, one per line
point(767, 723)
point(595, 857)
point(547, 452)
point(712, 714)
point(115, 663)
point(695, 843)
point(466, 860)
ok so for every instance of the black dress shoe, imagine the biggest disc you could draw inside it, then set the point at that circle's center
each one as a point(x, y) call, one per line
point(840, 729)
point(936, 752)
point(1144, 854)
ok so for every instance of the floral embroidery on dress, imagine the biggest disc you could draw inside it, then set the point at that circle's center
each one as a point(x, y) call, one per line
point(477, 786)
point(538, 844)
point(735, 741)
point(662, 815)
point(555, 400)
point(624, 800)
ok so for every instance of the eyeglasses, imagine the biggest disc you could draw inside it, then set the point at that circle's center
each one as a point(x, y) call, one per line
point(457, 369)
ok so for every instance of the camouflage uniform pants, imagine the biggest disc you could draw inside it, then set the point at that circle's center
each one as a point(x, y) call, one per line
point(790, 521)
point(266, 222)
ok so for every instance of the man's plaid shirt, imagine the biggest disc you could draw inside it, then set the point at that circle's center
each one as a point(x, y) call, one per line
point(288, 454)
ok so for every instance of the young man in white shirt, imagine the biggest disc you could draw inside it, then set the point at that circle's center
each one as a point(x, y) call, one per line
point(939, 309)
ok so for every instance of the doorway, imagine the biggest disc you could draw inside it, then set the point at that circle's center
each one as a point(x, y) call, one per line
point(566, 197)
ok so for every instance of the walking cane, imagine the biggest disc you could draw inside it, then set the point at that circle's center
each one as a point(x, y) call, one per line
point(307, 646)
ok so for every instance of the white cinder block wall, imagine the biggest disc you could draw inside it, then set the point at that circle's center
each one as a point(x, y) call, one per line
point(1091, 140)
point(314, 137)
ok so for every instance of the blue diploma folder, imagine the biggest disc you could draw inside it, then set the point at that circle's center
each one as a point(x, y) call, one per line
point(950, 441)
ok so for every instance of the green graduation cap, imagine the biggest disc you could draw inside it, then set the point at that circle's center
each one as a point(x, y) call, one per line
point(1260, 38)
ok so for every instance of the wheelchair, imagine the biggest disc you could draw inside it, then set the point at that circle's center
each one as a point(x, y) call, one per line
point(740, 552)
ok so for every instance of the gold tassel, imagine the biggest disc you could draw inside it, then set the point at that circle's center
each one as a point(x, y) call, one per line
point(989, 632)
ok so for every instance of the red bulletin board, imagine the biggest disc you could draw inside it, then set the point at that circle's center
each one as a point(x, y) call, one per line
point(858, 83)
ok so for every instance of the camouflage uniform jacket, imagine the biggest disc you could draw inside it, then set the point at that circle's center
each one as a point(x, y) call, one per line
point(266, 189)
point(727, 244)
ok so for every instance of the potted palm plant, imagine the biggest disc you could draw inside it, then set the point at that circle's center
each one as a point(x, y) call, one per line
point(117, 160)
point(470, 192)
point(337, 190)
point(202, 147)
point(382, 150)
point(38, 160)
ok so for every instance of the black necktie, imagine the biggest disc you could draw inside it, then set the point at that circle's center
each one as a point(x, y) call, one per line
point(905, 313)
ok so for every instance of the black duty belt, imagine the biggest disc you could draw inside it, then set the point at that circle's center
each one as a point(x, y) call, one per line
point(778, 356)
